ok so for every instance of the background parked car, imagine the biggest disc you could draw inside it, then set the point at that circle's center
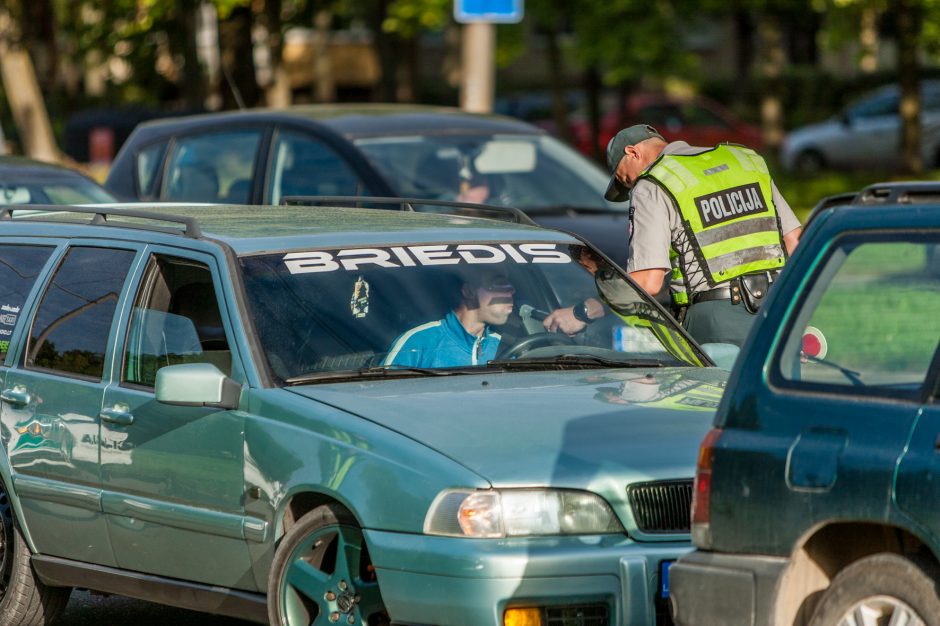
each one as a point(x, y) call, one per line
point(262, 156)
point(26, 181)
point(865, 135)
point(817, 489)
point(697, 120)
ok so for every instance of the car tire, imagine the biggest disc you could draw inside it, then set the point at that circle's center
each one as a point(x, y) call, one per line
point(26, 601)
point(884, 588)
point(321, 573)
point(809, 162)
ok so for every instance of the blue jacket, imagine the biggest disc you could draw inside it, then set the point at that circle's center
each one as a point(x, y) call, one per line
point(444, 343)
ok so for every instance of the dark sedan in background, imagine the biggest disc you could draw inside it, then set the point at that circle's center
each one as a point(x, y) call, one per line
point(26, 181)
point(263, 156)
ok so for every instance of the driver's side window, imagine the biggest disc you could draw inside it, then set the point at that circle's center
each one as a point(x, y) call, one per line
point(175, 320)
point(869, 321)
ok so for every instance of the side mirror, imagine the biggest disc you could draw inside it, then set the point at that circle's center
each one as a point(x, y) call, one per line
point(196, 384)
point(845, 118)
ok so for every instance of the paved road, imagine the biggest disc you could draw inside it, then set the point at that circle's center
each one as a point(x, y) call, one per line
point(87, 609)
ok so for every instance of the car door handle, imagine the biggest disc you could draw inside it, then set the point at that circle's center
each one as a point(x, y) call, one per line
point(119, 414)
point(936, 444)
point(18, 396)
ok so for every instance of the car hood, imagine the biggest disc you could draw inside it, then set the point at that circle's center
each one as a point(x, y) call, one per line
point(609, 231)
point(588, 429)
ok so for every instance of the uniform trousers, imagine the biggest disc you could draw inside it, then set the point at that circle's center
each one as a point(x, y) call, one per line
point(718, 321)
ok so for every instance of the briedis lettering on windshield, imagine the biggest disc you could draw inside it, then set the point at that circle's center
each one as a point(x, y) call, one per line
point(353, 259)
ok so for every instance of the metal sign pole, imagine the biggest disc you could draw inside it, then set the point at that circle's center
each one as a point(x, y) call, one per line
point(478, 72)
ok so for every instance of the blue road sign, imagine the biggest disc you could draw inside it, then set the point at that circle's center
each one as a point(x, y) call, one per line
point(500, 11)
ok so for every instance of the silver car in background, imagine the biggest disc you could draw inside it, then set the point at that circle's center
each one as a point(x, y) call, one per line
point(865, 135)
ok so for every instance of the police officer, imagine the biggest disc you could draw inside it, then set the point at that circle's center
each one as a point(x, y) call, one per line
point(711, 219)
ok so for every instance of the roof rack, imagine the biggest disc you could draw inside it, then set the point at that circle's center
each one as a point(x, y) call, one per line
point(902, 192)
point(469, 209)
point(100, 216)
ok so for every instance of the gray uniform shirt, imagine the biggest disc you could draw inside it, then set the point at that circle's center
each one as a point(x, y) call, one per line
point(657, 226)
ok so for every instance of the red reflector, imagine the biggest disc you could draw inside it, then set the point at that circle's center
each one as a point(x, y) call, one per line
point(814, 343)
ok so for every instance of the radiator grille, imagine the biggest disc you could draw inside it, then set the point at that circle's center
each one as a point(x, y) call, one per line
point(662, 506)
point(583, 615)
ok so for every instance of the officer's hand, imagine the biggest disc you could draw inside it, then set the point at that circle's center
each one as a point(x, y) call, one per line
point(563, 320)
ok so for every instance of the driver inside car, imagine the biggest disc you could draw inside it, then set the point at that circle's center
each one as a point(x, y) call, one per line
point(465, 336)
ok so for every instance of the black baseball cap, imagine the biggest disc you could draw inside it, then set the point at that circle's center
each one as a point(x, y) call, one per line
point(630, 136)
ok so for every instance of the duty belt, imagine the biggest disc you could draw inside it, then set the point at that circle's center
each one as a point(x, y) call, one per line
point(750, 289)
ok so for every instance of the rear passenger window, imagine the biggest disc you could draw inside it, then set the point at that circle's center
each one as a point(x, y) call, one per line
point(212, 167)
point(71, 328)
point(175, 320)
point(869, 323)
point(148, 165)
point(304, 166)
point(19, 268)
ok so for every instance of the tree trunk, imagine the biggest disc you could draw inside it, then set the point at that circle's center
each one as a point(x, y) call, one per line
point(388, 58)
point(27, 104)
point(773, 59)
point(194, 83)
point(558, 84)
point(744, 43)
point(908, 35)
point(324, 84)
point(868, 39)
point(240, 85)
point(592, 90)
point(278, 92)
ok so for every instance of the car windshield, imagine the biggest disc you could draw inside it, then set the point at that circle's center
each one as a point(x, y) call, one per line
point(450, 308)
point(530, 172)
point(52, 190)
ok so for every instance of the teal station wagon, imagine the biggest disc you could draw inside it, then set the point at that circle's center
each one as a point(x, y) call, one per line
point(244, 422)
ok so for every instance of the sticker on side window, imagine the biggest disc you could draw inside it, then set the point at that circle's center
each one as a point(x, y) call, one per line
point(353, 259)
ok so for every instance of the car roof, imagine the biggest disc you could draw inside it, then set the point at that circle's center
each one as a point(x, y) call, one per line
point(845, 217)
point(896, 194)
point(22, 165)
point(361, 120)
point(293, 227)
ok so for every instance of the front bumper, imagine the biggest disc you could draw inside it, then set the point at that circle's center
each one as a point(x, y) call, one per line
point(711, 589)
point(450, 581)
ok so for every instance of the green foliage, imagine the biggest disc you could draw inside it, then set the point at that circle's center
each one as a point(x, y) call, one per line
point(802, 193)
point(409, 18)
point(633, 39)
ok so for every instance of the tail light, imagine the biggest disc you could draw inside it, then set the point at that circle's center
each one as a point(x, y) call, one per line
point(701, 492)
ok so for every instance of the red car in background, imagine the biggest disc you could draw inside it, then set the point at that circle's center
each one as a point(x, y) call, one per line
point(697, 120)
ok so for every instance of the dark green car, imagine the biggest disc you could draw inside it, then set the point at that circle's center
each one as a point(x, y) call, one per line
point(273, 415)
point(818, 490)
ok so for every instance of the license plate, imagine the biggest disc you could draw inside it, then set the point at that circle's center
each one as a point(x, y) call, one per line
point(664, 578)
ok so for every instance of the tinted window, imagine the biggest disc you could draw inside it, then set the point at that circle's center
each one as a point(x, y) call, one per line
point(212, 167)
point(19, 267)
point(875, 107)
point(304, 166)
point(175, 320)
point(869, 323)
point(148, 165)
point(70, 332)
point(525, 171)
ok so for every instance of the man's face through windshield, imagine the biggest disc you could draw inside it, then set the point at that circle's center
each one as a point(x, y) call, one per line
point(493, 296)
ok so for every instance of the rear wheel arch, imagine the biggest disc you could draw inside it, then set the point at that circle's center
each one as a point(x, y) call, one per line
point(826, 551)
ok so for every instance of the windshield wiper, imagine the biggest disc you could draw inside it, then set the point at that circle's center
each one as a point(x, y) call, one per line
point(853, 376)
point(576, 361)
point(378, 371)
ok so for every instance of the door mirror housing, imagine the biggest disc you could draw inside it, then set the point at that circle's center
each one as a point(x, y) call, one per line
point(196, 384)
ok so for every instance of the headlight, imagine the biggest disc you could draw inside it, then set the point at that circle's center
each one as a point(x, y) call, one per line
point(519, 512)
